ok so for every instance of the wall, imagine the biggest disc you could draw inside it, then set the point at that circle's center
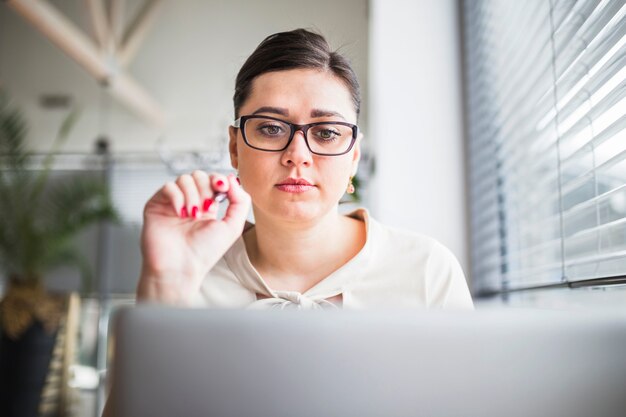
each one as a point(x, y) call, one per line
point(416, 119)
point(188, 63)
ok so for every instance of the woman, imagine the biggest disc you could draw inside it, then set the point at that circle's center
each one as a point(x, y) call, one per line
point(296, 148)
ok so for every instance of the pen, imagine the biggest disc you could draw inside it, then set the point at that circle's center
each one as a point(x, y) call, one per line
point(219, 197)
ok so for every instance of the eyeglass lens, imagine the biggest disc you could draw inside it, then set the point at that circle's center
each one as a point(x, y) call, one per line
point(272, 135)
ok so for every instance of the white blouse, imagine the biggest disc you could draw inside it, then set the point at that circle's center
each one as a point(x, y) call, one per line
point(395, 268)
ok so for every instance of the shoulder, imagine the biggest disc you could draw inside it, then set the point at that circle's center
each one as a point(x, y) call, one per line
point(390, 242)
point(406, 242)
point(425, 260)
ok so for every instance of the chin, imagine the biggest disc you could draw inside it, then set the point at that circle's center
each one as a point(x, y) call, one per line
point(299, 211)
point(294, 208)
point(296, 211)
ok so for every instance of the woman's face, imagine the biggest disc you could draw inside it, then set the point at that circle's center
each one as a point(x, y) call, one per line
point(298, 96)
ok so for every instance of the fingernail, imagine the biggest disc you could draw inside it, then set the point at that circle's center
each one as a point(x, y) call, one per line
point(183, 212)
point(194, 211)
point(207, 204)
point(219, 183)
point(238, 182)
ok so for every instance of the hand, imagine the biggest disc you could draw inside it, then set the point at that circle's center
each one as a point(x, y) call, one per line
point(182, 239)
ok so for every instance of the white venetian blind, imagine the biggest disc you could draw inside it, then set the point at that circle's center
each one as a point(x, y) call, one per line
point(546, 107)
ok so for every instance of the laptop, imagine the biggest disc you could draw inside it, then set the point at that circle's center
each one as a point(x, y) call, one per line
point(236, 363)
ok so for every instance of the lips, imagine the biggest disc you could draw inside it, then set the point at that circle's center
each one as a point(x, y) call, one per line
point(294, 181)
point(295, 185)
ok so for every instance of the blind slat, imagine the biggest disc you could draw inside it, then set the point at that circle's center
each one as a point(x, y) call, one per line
point(544, 108)
point(546, 111)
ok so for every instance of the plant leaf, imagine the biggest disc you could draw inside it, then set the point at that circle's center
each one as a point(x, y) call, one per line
point(12, 139)
point(76, 204)
point(60, 139)
point(38, 220)
point(62, 253)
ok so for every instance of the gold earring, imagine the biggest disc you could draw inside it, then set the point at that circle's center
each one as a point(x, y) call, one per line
point(350, 189)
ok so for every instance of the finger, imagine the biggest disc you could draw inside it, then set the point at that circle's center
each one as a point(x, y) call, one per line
point(219, 183)
point(205, 192)
point(211, 206)
point(239, 206)
point(192, 198)
point(175, 196)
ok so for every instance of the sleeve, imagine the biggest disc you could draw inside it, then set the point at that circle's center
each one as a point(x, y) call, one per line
point(446, 285)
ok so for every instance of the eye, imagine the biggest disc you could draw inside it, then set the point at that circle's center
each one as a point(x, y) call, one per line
point(327, 134)
point(271, 130)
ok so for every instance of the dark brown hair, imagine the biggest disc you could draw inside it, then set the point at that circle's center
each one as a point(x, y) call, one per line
point(298, 48)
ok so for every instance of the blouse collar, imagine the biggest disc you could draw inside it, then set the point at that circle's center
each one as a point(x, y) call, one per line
point(338, 282)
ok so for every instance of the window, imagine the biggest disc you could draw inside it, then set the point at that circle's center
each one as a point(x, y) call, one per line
point(546, 105)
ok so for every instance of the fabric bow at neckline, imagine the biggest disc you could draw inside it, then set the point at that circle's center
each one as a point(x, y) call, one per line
point(286, 300)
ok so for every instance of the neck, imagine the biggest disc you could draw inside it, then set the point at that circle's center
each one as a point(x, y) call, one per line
point(289, 254)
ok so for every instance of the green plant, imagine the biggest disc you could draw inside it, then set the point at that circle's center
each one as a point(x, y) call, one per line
point(38, 218)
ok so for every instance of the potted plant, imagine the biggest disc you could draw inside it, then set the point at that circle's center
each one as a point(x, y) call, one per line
point(38, 221)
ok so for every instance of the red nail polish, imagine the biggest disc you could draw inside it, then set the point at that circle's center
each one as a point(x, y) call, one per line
point(194, 211)
point(183, 212)
point(238, 182)
point(207, 204)
point(219, 183)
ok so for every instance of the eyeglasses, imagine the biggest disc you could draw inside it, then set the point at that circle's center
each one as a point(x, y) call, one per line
point(270, 134)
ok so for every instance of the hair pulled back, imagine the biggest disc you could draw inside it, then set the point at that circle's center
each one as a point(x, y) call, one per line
point(298, 48)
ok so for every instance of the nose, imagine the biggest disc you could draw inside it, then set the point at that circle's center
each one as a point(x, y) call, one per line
point(297, 153)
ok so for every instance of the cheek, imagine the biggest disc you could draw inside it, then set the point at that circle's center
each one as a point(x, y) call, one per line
point(336, 172)
point(254, 170)
point(247, 168)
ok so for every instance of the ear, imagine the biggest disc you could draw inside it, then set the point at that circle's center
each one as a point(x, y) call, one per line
point(232, 146)
point(356, 155)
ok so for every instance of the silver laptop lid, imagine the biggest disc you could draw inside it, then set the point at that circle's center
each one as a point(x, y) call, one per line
point(172, 362)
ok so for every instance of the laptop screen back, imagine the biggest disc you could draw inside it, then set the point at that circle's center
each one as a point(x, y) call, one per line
point(172, 362)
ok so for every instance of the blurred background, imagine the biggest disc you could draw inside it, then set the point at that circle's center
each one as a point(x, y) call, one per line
point(495, 126)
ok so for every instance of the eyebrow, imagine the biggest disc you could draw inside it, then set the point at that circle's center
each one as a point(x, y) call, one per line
point(269, 109)
point(326, 113)
point(285, 112)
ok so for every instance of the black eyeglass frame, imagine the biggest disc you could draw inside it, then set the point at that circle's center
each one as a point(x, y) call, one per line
point(241, 121)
